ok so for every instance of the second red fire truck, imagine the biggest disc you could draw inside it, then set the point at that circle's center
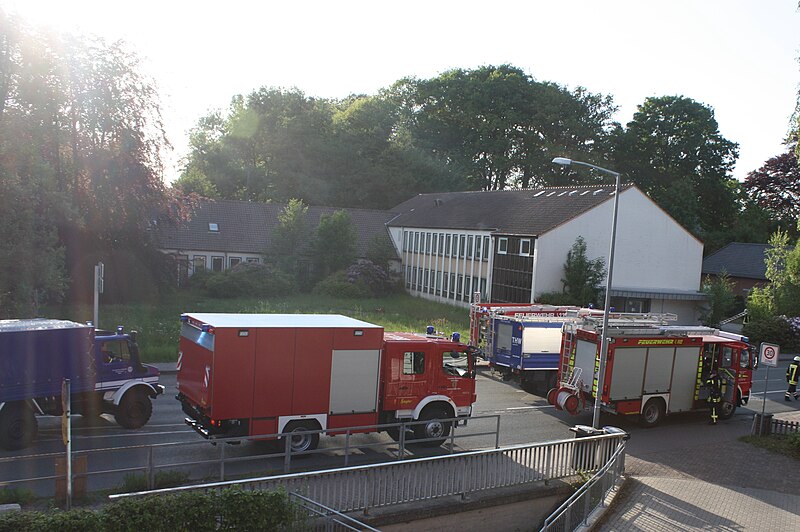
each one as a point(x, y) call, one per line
point(652, 369)
point(250, 375)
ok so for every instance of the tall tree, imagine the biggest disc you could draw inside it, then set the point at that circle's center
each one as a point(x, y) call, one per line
point(334, 244)
point(500, 127)
point(583, 276)
point(78, 114)
point(673, 150)
point(776, 187)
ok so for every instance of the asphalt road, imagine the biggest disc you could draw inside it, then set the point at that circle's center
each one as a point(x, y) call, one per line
point(523, 418)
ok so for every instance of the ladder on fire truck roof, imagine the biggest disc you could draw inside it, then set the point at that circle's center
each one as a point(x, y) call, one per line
point(624, 322)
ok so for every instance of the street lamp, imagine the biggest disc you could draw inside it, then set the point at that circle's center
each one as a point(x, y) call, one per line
point(605, 339)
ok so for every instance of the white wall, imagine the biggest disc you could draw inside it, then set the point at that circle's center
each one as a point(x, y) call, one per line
point(652, 252)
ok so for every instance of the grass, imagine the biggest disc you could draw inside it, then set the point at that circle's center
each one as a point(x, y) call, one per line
point(788, 445)
point(158, 322)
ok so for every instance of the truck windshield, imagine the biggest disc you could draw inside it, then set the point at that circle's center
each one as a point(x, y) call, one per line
point(456, 363)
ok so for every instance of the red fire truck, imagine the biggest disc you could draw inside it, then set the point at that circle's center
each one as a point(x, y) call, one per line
point(652, 369)
point(248, 375)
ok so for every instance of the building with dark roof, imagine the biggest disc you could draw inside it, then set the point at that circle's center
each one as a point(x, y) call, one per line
point(224, 233)
point(743, 263)
point(511, 246)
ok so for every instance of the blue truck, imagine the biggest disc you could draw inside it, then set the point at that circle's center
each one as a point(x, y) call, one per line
point(104, 368)
point(527, 349)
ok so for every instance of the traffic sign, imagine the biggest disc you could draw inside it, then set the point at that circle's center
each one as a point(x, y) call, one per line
point(769, 354)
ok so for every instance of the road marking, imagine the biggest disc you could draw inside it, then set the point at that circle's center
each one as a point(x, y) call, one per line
point(771, 391)
point(529, 407)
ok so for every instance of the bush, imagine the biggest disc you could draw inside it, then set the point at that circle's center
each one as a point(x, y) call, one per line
point(249, 279)
point(374, 276)
point(779, 330)
point(16, 495)
point(339, 285)
point(231, 509)
point(162, 479)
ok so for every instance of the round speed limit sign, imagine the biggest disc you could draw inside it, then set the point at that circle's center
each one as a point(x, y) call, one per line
point(769, 354)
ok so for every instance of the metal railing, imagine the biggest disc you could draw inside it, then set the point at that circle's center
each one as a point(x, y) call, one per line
point(379, 485)
point(575, 511)
point(316, 516)
point(227, 460)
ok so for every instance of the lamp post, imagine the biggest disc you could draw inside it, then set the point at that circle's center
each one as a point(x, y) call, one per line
point(605, 339)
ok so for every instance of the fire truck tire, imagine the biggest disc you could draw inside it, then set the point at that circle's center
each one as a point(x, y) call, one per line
point(433, 426)
point(18, 426)
point(653, 412)
point(134, 409)
point(726, 410)
point(302, 442)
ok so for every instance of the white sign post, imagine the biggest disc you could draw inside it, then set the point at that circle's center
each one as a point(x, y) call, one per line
point(98, 289)
point(769, 354)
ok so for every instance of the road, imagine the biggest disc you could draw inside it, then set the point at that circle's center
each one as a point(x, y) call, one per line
point(524, 418)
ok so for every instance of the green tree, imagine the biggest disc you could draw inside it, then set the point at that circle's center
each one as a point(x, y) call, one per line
point(721, 300)
point(500, 127)
point(582, 276)
point(673, 150)
point(782, 295)
point(289, 237)
point(79, 118)
point(334, 245)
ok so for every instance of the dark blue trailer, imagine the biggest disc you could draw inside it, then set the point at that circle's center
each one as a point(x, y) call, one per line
point(527, 349)
point(104, 369)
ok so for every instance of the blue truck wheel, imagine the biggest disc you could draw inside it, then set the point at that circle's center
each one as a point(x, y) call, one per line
point(18, 426)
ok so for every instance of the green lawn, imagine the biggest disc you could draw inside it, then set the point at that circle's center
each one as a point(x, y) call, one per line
point(159, 323)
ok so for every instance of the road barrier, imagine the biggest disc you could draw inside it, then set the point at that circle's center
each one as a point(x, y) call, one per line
point(227, 460)
point(380, 485)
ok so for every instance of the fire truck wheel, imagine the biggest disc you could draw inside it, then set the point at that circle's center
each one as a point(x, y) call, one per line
point(134, 409)
point(433, 427)
point(301, 442)
point(653, 412)
point(18, 426)
point(727, 409)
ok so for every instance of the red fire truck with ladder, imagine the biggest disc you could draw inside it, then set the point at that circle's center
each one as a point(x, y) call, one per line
point(251, 375)
point(652, 369)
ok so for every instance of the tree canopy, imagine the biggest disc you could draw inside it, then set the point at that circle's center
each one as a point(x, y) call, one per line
point(673, 150)
point(80, 155)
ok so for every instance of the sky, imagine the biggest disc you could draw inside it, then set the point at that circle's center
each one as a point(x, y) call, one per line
point(739, 57)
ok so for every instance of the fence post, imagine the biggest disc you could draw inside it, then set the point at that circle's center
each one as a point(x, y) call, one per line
point(497, 434)
point(287, 453)
point(347, 448)
point(221, 462)
point(151, 474)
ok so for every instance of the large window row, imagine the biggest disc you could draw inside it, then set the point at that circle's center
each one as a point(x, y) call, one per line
point(448, 285)
point(447, 244)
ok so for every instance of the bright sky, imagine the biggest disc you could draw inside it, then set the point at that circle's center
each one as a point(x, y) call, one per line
point(738, 56)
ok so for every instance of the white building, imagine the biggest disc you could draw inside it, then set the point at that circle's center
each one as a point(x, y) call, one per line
point(511, 246)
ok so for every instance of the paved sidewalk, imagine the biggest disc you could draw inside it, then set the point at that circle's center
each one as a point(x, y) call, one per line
point(713, 485)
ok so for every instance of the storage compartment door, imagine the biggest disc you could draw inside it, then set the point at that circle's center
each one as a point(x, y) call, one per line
point(585, 357)
point(684, 379)
point(354, 381)
point(628, 374)
point(659, 370)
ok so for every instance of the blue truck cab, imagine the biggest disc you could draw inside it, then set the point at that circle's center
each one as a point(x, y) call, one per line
point(527, 349)
point(104, 368)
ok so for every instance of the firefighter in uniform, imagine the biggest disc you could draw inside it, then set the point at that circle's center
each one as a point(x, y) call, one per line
point(714, 385)
point(791, 378)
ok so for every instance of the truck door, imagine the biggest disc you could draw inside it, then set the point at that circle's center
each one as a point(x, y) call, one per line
point(408, 381)
point(116, 365)
point(454, 376)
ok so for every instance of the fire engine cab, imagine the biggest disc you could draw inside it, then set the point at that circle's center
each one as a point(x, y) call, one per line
point(652, 369)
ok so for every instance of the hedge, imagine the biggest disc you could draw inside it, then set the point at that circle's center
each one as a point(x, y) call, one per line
point(195, 511)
